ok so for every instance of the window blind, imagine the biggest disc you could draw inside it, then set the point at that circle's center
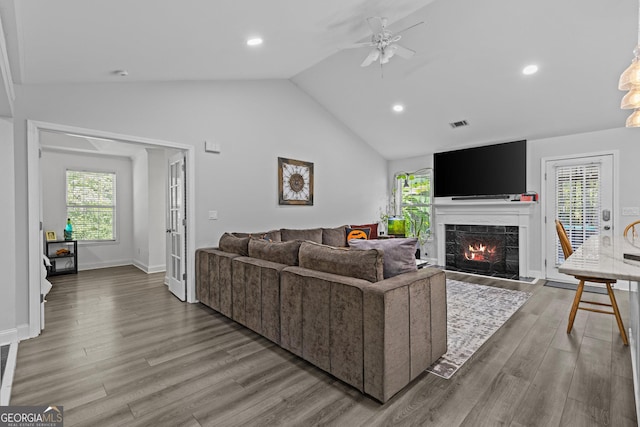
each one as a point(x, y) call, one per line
point(577, 203)
point(91, 204)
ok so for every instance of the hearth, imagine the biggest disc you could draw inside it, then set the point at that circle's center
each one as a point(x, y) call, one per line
point(490, 250)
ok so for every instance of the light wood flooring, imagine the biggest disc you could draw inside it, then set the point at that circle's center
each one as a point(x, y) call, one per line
point(119, 349)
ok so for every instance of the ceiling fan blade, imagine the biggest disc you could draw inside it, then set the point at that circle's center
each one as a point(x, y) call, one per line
point(357, 45)
point(371, 58)
point(410, 27)
point(402, 52)
point(376, 24)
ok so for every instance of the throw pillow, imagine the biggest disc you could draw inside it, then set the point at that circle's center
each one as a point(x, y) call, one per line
point(373, 227)
point(335, 236)
point(312, 234)
point(279, 252)
point(358, 233)
point(359, 264)
point(399, 254)
point(234, 245)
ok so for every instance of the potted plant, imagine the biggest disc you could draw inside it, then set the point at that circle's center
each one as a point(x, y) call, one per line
point(418, 226)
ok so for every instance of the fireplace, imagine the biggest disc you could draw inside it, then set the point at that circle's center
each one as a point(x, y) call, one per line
point(490, 250)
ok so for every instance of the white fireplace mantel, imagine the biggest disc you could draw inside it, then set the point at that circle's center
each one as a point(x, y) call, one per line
point(486, 213)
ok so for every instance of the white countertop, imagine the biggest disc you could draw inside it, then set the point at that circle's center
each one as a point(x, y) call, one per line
point(602, 256)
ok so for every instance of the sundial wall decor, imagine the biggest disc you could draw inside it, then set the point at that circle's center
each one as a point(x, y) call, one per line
point(295, 182)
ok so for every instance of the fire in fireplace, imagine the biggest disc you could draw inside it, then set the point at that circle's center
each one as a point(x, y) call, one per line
point(482, 249)
point(480, 252)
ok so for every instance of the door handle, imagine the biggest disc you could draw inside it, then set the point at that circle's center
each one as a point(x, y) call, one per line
point(606, 215)
point(169, 231)
point(607, 227)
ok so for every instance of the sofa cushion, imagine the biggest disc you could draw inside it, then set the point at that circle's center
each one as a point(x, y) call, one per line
point(361, 264)
point(399, 254)
point(273, 235)
point(335, 236)
point(311, 234)
point(358, 233)
point(235, 245)
point(373, 227)
point(280, 252)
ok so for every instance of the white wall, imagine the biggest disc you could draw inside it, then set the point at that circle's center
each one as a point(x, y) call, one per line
point(54, 213)
point(157, 210)
point(149, 210)
point(626, 141)
point(253, 121)
point(140, 166)
point(7, 237)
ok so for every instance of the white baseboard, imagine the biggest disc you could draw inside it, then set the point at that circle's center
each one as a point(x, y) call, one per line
point(149, 269)
point(536, 274)
point(24, 332)
point(97, 265)
point(7, 380)
point(8, 336)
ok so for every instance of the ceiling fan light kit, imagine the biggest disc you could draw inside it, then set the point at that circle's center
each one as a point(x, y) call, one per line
point(630, 80)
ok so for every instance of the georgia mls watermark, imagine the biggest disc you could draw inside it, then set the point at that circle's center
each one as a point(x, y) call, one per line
point(31, 416)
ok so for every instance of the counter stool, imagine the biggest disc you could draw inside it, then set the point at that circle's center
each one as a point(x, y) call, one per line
point(568, 250)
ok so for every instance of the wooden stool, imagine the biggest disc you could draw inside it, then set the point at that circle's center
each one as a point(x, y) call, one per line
point(568, 250)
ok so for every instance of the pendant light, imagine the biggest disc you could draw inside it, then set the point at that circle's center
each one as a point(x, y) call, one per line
point(630, 80)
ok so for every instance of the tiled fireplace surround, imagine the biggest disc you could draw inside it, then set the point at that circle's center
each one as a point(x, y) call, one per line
point(485, 213)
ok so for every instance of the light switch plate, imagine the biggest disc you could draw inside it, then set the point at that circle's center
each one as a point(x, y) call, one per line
point(211, 147)
point(631, 211)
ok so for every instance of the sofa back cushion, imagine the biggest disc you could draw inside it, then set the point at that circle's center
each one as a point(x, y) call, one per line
point(280, 252)
point(311, 234)
point(335, 236)
point(273, 235)
point(399, 254)
point(361, 264)
point(235, 245)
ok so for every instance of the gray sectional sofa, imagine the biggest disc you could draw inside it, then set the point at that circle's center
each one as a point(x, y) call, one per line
point(329, 304)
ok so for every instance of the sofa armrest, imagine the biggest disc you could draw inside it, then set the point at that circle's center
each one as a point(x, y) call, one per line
point(213, 271)
point(405, 329)
point(322, 321)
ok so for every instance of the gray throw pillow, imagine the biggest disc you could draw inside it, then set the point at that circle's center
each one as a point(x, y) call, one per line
point(335, 236)
point(311, 234)
point(399, 254)
point(360, 264)
point(234, 245)
point(280, 252)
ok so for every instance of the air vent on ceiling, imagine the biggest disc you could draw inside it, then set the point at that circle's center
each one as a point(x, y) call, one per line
point(459, 124)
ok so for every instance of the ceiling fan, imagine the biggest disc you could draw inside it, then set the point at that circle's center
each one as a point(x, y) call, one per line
point(384, 43)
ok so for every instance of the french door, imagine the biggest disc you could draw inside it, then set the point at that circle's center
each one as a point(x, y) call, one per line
point(579, 194)
point(176, 227)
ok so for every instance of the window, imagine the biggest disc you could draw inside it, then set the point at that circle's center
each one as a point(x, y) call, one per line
point(91, 205)
point(577, 203)
point(414, 201)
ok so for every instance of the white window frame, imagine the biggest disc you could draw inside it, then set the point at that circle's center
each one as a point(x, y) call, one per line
point(113, 206)
point(401, 177)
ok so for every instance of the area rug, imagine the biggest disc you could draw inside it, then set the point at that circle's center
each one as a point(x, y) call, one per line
point(474, 313)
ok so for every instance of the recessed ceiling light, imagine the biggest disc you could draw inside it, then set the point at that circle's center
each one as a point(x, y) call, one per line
point(398, 108)
point(254, 41)
point(530, 69)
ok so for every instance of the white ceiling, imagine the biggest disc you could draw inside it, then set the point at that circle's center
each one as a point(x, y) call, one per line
point(467, 66)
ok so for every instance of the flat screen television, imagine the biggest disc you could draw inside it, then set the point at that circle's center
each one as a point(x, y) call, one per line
point(490, 170)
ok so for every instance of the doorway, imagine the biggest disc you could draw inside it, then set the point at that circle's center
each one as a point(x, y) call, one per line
point(580, 194)
point(35, 206)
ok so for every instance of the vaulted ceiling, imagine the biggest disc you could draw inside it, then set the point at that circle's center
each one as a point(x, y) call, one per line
point(467, 66)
